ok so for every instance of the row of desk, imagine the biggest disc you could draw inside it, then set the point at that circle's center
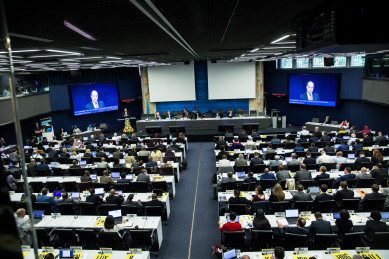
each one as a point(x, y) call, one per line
point(319, 254)
point(93, 254)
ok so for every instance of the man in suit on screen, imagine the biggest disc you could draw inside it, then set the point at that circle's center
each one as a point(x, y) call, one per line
point(310, 95)
point(95, 103)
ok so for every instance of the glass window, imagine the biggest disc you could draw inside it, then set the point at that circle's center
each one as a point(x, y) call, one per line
point(302, 62)
point(318, 62)
point(339, 61)
point(286, 63)
point(357, 61)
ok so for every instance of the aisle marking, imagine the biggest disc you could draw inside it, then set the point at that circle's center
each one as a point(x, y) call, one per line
point(194, 203)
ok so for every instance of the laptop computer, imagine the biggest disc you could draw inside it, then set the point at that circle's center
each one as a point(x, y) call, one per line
point(122, 161)
point(117, 215)
point(82, 162)
point(94, 153)
point(99, 191)
point(351, 156)
point(288, 158)
point(57, 193)
point(115, 175)
point(85, 138)
point(94, 144)
point(45, 146)
point(75, 195)
point(346, 137)
point(292, 216)
point(107, 153)
point(385, 216)
point(38, 215)
point(236, 220)
point(314, 190)
point(224, 175)
point(159, 192)
point(241, 174)
point(53, 164)
point(230, 254)
point(130, 176)
point(26, 147)
point(334, 138)
point(93, 176)
point(105, 145)
point(118, 193)
point(264, 149)
point(336, 146)
point(66, 253)
point(336, 215)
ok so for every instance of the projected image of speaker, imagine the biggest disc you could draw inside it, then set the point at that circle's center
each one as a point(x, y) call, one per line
point(152, 130)
point(328, 62)
point(224, 128)
point(250, 126)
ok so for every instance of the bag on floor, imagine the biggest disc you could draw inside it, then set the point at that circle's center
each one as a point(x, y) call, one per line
point(184, 164)
point(214, 179)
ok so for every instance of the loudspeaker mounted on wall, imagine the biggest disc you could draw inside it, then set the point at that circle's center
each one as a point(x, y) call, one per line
point(328, 62)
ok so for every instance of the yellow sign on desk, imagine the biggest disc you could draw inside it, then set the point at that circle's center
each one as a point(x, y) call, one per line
point(25, 254)
point(371, 255)
point(42, 255)
point(301, 256)
point(267, 256)
point(242, 194)
point(100, 222)
point(130, 256)
point(77, 255)
point(342, 255)
point(103, 256)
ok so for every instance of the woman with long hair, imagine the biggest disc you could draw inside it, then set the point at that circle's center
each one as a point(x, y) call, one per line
point(277, 195)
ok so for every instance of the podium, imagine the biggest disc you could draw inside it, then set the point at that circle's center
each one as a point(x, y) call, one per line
point(278, 122)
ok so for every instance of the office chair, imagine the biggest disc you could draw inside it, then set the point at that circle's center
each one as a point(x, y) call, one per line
point(124, 187)
point(143, 238)
point(106, 186)
point(103, 127)
point(373, 204)
point(329, 166)
point(261, 239)
point(66, 208)
point(350, 204)
point(44, 238)
point(162, 185)
point(130, 209)
point(239, 209)
point(257, 169)
point(279, 206)
point(112, 240)
point(303, 205)
point(380, 240)
point(234, 239)
point(87, 238)
point(87, 208)
point(248, 186)
point(140, 187)
point(365, 183)
point(157, 211)
point(327, 182)
point(264, 205)
point(307, 183)
point(293, 168)
point(41, 172)
point(352, 240)
point(37, 186)
point(66, 237)
point(70, 186)
point(326, 206)
point(228, 186)
point(292, 241)
point(244, 168)
point(104, 208)
point(324, 241)
point(267, 183)
point(315, 167)
point(45, 206)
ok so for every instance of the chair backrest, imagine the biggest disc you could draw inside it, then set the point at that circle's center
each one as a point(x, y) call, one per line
point(141, 187)
point(264, 205)
point(365, 183)
point(160, 185)
point(45, 206)
point(125, 187)
point(312, 167)
point(344, 165)
point(373, 204)
point(66, 208)
point(307, 183)
point(104, 208)
point(279, 206)
point(87, 238)
point(154, 211)
point(329, 166)
point(303, 205)
point(261, 239)
point(239, 209)
point(352, 240)
point(87, 208)
point(70, 186)
point(141, 237)
point(248, 186)
point(350, 204)
point(110, 240)
point(259, 168)
point(234, 239)
point(293, 168)
point(66, 236)
point(323, 241)
point(295, 240)
point(267, 183)
point(326, 206)
point(327, 182)
point(380, 240)
point(129, 209)
point(43, 237)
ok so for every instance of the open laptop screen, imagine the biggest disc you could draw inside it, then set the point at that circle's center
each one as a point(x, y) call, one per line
point(115, 213)
point(291, 213)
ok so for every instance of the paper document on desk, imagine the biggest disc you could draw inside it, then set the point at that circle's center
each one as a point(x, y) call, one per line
point(371, 255)
point(355, 219)
point(244, 218)
point(282, 221)
point(100, 222)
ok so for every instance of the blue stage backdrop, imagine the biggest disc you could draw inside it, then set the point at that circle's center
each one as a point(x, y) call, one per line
point(202, 103)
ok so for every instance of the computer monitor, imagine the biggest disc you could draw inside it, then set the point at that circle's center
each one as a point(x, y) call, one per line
point(107, 153)
point(26, 147)
point(119, 192)
point(351, 156)
point(314, 189)
point(57, 146)
point(99, 191)
point(292, 213)
point(45, 146)
point(241, 174)
point(336, 215)
point(93, 153)
point(230, 254)
point(37, 163)
point(105, 144)
point(236, 219)
point(385, 215)
point(66, 253)
point(82, 162)
point(38, 214)
point(115, 213)
point(81, 155)
point(115, 175)
point(224, 175)
point(53, 164)
point(57, 193)
point(336, 146)
point(346, 137)
point(129, 176)
point(334, 138)
point(122, 161)
point(264, 149)
point(94, 144)
point(288, 158)
point(75, 195)
point(93, 176)
point(151, 130)
point(85, 138)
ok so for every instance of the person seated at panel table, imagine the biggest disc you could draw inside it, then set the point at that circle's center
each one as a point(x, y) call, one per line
point(374, 225)
point(218, 115)
point(377, 157)
point(277, 195)
point(184, 109)
point(232, 225)
point(230, 114)
point(380, 137)
point(187, 115)
point(323, 174)
point(327, 120)
point(158, 116)
point(259, 194)
point(309, 94)
point(365, 130)
point(95, 103)
point(345, 123)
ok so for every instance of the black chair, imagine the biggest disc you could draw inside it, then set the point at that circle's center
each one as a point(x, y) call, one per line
point(350, 204)
point(53, 186)
point(143, 238)
point(264, 205)
point(87, 238)
point(67, 237)
point(352, 240)
point(45, 206)
point(307, 183)
point(351, 183)
point(245, 168)
point(327, 182)
point(312, 167)
point(130, 209)
point(329, 166)
point(344, 165)
point(234, 239)
point(239, 209)
point(41, 172)
point(105, 208)
point(43, 237)
point(141, 187)
point(154, 211)
point(303, 205)
point(323, 241)
point(124, 187)
point(257, 169)
point(70, 186)
point(248, 186)
point(74, 172)
point(87, 208)
point(365, 183)
point(279, 206)
point(228, 186)
point(161, 185)
point(111, 240)
point(267, 183)
point(66, 208)
point(293, 168)
point(106, 186)
point(368, 165)
point(37, 186)
point(380, 240)
point(295, 240)
point(261, 239)
point(373, 204)
point(326, 206)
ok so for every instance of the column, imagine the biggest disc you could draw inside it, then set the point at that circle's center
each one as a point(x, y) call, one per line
point(258, 102)
point(145, 91)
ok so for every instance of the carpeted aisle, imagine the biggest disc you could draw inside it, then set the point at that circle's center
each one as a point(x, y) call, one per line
point(205, 230)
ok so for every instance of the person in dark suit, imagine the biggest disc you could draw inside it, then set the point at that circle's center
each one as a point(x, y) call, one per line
point(303, 174)
point(250, 178)
point(126, 114)
point(298, 148)
point(256, 160)
point(114, 198)
point(117, 154)
point(154, 201)
point(344, 193)
point(74, 165)
point(328, 148)
point(143, 177)
point(325, 137)
point(31, 168)
point(374, 225)
point(327, 120)
point(53, 154)
point(243, 136)
point(301, 195)
point(379, 173)
point(347, 176)
point(299, 229)
point(344, 224)
point(357, 146)
point(375, 195)
point(319, 226)
point(343, 147)
point(137, 204)
point(260, 222)
point(220, 142)
point(86, 177)
point(94, 198)
point(361, 159)
point(323, 174)
point(95, 103)
point(101, 153)
point(230, 114)
point(323, 196)
point(313, 148)
point(367, 138)
point(310, 95)
point(123, 178)
point(65, 199)
point(237, 199)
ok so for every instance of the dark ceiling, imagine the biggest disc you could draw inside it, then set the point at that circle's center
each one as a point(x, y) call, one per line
point(125, 34)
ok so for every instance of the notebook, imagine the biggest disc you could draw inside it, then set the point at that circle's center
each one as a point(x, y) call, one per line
point(292, 216)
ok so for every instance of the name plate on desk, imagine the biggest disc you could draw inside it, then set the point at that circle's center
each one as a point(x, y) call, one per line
point(342, 255)
point(300, 250)
point(305, 214)
point(47, 249)
point(55, 215)
point(362, 249)
point(76, 249)
point(333, 250)
point(267, 251)
point(103, 256)
point(279, 214)
point(371, 255)
point(135, 251)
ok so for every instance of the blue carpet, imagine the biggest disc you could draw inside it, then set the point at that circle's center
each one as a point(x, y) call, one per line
point(205, 232)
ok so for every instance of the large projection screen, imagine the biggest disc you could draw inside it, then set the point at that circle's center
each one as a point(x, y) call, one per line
point(232, 80)
point(172, 83)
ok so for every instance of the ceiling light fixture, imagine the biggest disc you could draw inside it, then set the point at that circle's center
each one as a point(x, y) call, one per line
point(284, 47)
point(17, 35)
point(47, 56)
point(78, 30)
point(280, 39)
point(254, 50)
point(17, 51)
